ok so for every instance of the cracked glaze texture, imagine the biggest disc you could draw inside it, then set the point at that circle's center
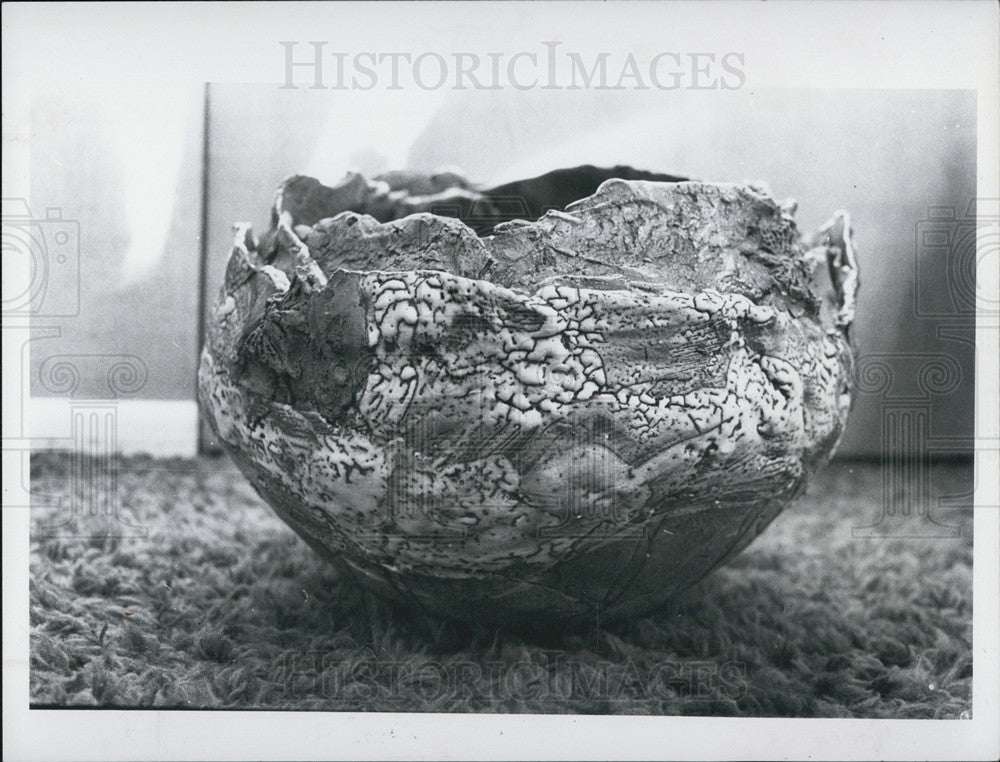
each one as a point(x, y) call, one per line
point(570, 418)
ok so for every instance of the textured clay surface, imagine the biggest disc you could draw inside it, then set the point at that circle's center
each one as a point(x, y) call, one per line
point(569, 419)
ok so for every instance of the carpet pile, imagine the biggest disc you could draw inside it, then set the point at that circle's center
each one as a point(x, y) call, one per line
point(185, 591)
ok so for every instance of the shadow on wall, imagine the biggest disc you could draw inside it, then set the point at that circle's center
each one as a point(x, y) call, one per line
point(902, 162)
point(126, 176)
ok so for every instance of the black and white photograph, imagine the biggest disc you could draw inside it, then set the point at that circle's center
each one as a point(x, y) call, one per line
point(501, 380)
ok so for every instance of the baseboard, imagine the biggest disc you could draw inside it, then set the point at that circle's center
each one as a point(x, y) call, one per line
point(170, 428)
point(128, 426)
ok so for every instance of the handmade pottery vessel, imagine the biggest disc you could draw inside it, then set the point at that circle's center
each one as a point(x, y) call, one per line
point(569, 419)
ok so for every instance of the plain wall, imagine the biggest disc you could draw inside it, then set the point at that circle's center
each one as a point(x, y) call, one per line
point(129, 188)
point(895, 159)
